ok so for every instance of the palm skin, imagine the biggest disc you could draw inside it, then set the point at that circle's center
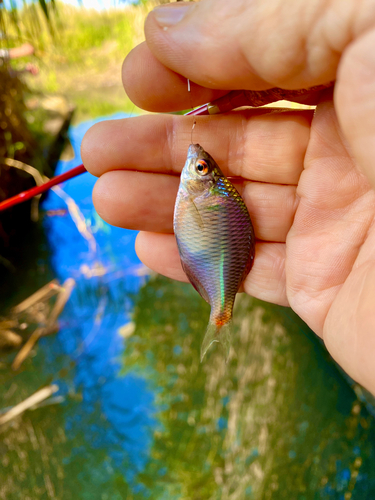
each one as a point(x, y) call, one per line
point(330, 246)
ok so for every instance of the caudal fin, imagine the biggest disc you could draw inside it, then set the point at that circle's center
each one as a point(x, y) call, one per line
point(219, 334)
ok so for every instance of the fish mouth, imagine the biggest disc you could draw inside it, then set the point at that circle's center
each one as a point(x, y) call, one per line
point(195, 150)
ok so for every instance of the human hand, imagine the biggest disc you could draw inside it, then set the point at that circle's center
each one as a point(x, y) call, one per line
point(24, 50)
point(308, 181)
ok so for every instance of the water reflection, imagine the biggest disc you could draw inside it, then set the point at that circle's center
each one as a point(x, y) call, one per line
point(277, 422)
point(107, 420)
point(103, 260)
point(142, 418)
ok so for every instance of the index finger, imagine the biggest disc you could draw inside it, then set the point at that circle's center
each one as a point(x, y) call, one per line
point(260, 144)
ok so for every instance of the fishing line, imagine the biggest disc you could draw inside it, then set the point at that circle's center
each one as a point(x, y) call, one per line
point(192, 108)
point(132, 111)
point(192, 128)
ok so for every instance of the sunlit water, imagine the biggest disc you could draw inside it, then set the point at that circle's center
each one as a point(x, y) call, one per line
point(141, 417)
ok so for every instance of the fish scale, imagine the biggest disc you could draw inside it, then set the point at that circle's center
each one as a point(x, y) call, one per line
point(215, 239)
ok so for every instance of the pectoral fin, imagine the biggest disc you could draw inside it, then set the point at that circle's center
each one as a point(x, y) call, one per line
point(199, 219)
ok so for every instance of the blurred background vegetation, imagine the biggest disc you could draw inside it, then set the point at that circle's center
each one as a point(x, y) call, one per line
point(78, 54)
point(81, 56)
point(79, 51)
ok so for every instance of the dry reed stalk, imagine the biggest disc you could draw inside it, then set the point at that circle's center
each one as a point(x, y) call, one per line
point(43, 293)
point(63, 297)
point(29, 402)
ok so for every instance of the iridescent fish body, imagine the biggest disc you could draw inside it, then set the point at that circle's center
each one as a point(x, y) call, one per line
point(215, 239)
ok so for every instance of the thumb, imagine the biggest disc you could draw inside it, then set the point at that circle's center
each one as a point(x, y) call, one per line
point(254, 44)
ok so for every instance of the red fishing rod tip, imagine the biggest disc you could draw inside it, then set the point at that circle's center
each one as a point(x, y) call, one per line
point(26, 195)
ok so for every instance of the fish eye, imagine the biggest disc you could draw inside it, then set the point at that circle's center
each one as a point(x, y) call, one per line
point(201, 167)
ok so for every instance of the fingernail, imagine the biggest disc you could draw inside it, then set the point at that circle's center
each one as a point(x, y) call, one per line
point(169, 15)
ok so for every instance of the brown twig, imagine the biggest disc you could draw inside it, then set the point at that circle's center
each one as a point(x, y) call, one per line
point(50, 325)
point(29, 402)
point(45, 292)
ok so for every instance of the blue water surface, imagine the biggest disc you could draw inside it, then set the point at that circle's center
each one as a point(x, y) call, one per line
point(107, 272)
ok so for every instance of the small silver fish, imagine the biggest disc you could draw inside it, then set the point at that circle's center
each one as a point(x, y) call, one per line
point(215, 239)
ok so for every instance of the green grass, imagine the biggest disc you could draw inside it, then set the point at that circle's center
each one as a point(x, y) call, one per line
point(83, 57)
point(102, 102)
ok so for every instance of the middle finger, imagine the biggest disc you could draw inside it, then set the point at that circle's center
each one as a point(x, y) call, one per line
point(143, 201)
